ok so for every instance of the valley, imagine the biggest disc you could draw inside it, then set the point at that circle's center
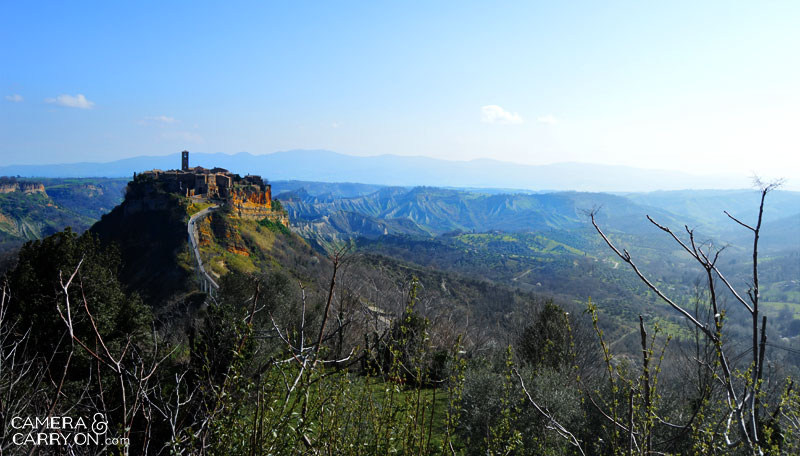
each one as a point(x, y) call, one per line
point(544, 242)
point(399, 271)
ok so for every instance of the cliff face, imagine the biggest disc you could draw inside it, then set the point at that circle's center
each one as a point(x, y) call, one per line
point(250, 202)
point(31, 187)
point(24, 187)
point(254, 204)
point(149, 228)
point(9, 188)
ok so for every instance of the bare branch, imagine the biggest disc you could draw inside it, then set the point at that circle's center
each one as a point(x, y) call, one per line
point(739, 221)
point(626, 257)
point(551, 421)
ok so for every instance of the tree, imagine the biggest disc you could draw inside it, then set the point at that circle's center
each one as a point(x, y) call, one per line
point(405, 352)
point(41, 268)
point(79, 341)
point(745, 416)
point(547, 342)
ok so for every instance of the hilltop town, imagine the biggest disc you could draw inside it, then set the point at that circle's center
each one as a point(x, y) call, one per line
point(247, 197)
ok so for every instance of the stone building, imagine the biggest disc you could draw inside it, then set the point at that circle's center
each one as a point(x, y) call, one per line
point(247, 197)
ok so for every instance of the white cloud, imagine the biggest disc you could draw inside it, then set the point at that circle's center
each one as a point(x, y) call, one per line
point(548, 119)
point(16, 98)
point(160, 119)
point(69, 101)
point(494, 114)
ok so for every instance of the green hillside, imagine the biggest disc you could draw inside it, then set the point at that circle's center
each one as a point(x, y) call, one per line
point(76, 203)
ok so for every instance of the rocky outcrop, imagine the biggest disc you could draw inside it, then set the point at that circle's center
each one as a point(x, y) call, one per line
point(10, 186)
point(278, 216)
point(31, 187)
point(250, 202)
point(91, 190)
point(255, 204)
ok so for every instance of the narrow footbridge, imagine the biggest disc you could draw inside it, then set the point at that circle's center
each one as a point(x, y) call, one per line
point(207, 283)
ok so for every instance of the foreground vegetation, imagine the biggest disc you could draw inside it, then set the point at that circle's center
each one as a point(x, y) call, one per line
point(360, 354)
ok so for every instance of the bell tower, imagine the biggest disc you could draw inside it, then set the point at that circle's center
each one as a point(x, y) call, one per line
point(185, 160)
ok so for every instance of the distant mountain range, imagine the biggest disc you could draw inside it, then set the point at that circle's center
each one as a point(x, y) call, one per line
point(327, 166)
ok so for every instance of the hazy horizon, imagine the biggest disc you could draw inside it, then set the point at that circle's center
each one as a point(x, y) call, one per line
point(408, 171)
point(446, 159)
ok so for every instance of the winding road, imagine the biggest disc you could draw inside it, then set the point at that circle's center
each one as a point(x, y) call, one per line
point(208, 283)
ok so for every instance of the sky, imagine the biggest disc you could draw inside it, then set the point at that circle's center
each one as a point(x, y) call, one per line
point(701, 87)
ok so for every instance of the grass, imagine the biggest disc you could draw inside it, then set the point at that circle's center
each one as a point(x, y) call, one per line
point(256, 237)
point(195, 207)
point(384, 392)
point(772, 308)
point(240, 263)
point(275, 227)
point(259, 239)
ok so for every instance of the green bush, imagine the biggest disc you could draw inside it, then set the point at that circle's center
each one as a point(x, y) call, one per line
point(275, 227)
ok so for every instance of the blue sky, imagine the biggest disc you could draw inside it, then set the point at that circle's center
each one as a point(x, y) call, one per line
point(696, 86)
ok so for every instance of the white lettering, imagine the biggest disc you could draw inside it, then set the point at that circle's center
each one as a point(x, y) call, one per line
point(63, 431)
point(124, 441)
